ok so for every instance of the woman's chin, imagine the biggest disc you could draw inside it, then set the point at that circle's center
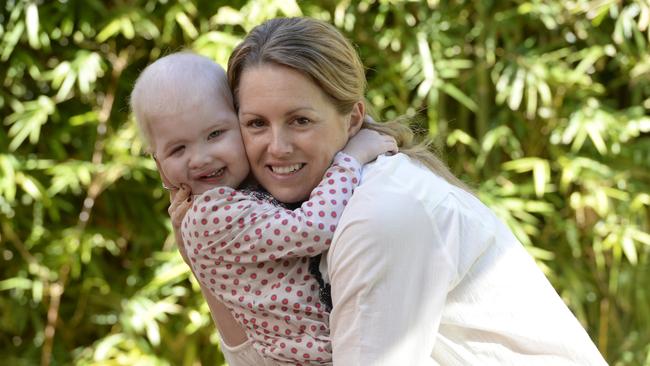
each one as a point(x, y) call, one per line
point(289, 195)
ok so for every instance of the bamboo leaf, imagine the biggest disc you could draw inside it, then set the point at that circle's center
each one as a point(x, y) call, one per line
point(15, 283)
point(110, 30)
point(629, 249)
point(186, 24)
point(31, 19)
point(461, 97)
point(517, 90)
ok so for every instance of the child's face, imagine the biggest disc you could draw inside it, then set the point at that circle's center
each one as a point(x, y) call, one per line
point(201, 146)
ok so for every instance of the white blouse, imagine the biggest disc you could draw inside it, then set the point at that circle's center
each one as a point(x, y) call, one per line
point(423, 273)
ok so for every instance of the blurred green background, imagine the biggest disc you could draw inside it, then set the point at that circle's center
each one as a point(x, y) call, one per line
point(541, 105)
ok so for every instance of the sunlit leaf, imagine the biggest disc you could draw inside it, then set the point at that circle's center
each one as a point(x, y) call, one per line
point(31, 19)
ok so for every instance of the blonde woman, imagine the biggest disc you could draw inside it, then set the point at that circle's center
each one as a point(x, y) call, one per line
point(421, 272)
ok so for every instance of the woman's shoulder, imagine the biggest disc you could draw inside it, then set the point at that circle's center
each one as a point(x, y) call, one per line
point(397, 187)
point(403, 176)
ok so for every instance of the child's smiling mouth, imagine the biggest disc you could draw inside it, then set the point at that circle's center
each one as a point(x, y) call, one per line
point(215, 174)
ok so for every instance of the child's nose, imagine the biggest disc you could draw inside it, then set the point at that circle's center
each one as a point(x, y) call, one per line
point(198, 160)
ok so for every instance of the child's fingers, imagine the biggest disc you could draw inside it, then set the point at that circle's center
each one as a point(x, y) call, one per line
point(179, 213)
point(174, 203)
point(179, 197)
point(391, 144)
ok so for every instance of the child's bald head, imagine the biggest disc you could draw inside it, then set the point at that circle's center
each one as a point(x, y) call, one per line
point(176, 83)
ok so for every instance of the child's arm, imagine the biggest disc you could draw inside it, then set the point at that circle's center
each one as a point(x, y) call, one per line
point(232, 226)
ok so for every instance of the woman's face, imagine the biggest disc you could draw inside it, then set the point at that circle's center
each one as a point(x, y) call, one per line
point(291, 130)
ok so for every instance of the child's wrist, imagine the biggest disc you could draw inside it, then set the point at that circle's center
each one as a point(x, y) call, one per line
point(347, 157)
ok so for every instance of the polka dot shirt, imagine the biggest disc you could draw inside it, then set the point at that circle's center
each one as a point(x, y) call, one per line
point(254, 256)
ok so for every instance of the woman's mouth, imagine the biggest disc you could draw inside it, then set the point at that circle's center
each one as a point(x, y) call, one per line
point(286, 169)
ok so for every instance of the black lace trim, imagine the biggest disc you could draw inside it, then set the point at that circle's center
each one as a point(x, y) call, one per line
point(325, 290)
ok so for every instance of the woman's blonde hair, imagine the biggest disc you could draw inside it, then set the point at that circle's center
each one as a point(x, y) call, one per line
point(319, 50)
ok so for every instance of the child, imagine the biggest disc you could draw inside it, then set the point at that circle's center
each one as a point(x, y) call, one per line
point(250, 252)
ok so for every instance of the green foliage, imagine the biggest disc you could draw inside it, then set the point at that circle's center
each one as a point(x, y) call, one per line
point(540, 105)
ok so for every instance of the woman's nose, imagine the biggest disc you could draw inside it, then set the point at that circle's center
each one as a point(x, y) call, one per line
point(280, 144)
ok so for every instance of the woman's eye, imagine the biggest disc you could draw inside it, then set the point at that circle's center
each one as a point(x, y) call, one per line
point(255, 123)
point(214, 134)
point(301, 121)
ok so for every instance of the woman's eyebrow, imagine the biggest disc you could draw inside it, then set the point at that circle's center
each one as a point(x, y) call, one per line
point(289, 112)
point(299, 109)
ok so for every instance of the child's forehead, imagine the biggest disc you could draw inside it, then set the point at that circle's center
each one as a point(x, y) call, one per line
point(201, 99)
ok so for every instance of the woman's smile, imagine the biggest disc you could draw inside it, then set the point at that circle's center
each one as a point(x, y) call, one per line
point(285, 169)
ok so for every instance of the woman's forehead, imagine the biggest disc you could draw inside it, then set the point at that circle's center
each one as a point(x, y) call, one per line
point(279, 84)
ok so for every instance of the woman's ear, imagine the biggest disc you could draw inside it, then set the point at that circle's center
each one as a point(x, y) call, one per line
point(356, 118)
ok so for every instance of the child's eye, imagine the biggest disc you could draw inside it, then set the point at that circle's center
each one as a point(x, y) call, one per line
point(215, 133)
point(176, 150)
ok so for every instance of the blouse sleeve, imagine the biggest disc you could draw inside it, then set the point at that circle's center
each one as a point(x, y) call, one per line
point(243, 355)
point(236, 227)
point(390, 275)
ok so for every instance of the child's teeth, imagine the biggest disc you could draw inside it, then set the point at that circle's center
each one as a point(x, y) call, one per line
point(214, 174)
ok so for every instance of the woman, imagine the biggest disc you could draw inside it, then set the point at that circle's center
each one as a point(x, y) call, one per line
point(421, 272)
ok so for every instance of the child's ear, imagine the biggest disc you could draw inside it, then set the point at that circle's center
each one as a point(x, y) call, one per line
point(356, 118)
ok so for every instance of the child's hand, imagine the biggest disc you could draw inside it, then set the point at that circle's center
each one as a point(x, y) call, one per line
point(367, 144)
point(181, 201)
